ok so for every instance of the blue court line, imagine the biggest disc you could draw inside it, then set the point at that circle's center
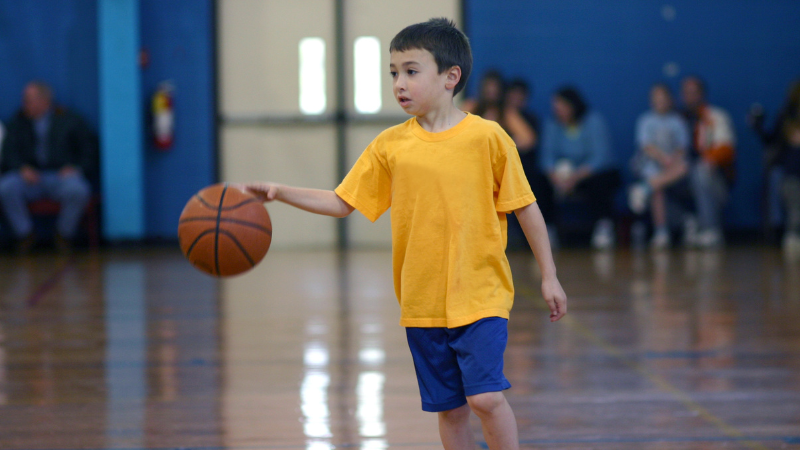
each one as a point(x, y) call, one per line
point(600, 440)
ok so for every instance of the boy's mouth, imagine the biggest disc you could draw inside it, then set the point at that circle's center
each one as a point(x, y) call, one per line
point(403, 101)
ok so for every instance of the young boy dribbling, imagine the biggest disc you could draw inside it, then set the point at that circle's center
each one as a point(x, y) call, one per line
point(450, 179)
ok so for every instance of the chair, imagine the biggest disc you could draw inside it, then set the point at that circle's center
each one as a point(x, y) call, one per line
point(90, 223)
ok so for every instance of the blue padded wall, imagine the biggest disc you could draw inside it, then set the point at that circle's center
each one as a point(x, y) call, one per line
point(178, 37)
point(52, 41)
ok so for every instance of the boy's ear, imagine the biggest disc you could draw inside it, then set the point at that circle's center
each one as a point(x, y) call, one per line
point(453, 77)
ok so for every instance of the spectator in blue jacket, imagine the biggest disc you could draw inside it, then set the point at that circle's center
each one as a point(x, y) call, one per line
point(576, 155)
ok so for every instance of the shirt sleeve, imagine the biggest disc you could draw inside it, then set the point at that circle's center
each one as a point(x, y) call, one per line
point(368, 185)
point(512, 190)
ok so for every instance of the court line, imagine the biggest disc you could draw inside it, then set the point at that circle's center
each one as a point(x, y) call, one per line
point(49, 283)
point(657, 380)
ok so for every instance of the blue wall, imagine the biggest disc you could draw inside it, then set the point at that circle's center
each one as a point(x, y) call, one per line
point(57, 41)
point(178, 37)
point(747, 50)
point(53, 41)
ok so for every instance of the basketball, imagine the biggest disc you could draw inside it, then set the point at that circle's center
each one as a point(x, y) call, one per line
point(224, 231)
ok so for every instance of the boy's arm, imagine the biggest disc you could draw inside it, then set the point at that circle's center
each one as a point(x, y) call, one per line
point(530, 218)
point(317, 201)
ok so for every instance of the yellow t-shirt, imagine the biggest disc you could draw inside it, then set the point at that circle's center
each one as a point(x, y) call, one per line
point(449, 193)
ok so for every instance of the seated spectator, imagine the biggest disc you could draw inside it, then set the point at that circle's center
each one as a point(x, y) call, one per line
point(2, 135)
point(779, 160)
point(493, 104)
point(48, 153)
point(491, 96)
point(516, 105)
point(576, 155)
point(711, 170)
point(662, 137)
point(791, 186)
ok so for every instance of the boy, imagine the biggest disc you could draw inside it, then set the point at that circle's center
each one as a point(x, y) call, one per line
point(450, 178)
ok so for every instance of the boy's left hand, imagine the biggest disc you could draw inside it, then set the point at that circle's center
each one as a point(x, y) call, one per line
point(555, 297)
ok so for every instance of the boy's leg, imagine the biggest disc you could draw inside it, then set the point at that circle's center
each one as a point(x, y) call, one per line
point(454, 429)
point(440, 385)
point(497, 419)
point(480, 347)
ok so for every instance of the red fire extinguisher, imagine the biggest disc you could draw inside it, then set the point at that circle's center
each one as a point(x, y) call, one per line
point(163, 116)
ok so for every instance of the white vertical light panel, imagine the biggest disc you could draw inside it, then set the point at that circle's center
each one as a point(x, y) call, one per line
point(312, 75)
point(367, 74)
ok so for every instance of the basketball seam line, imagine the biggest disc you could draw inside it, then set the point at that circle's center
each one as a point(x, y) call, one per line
point(226, 208)
point(236, 221)
point(196, 240)
point(216, 231)
point(238, 244)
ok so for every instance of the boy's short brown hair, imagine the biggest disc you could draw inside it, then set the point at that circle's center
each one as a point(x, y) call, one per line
point(448, 45)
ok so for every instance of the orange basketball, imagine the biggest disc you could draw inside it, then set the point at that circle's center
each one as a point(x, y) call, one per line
point(224, 231)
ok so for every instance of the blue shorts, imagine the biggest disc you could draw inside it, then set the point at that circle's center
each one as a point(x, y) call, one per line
point(454, 363)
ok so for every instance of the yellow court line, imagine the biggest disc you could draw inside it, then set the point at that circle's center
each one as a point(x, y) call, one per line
point(657, 380)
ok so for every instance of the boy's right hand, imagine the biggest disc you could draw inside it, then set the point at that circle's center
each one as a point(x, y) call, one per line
point(555, 297)
point(266, 192)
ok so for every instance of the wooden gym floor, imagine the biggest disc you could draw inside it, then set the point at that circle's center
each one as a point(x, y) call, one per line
point(130, 349)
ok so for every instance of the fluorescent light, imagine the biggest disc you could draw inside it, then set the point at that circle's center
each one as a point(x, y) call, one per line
point(312, 75)
point(367, 75)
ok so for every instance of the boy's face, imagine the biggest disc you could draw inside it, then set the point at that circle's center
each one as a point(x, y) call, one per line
point(416, 82)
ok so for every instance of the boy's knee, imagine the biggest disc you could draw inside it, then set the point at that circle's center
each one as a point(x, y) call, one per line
point(455, 415)
point(485, 404)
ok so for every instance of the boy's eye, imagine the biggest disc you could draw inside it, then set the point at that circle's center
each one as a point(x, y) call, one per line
point(393, 74)
point(411, 71)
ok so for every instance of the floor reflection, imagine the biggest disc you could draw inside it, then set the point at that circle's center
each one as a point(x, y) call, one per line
point(139, 350)
point(3, 376)
point(314, 404)
point(369, 413)
point(126, 354)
